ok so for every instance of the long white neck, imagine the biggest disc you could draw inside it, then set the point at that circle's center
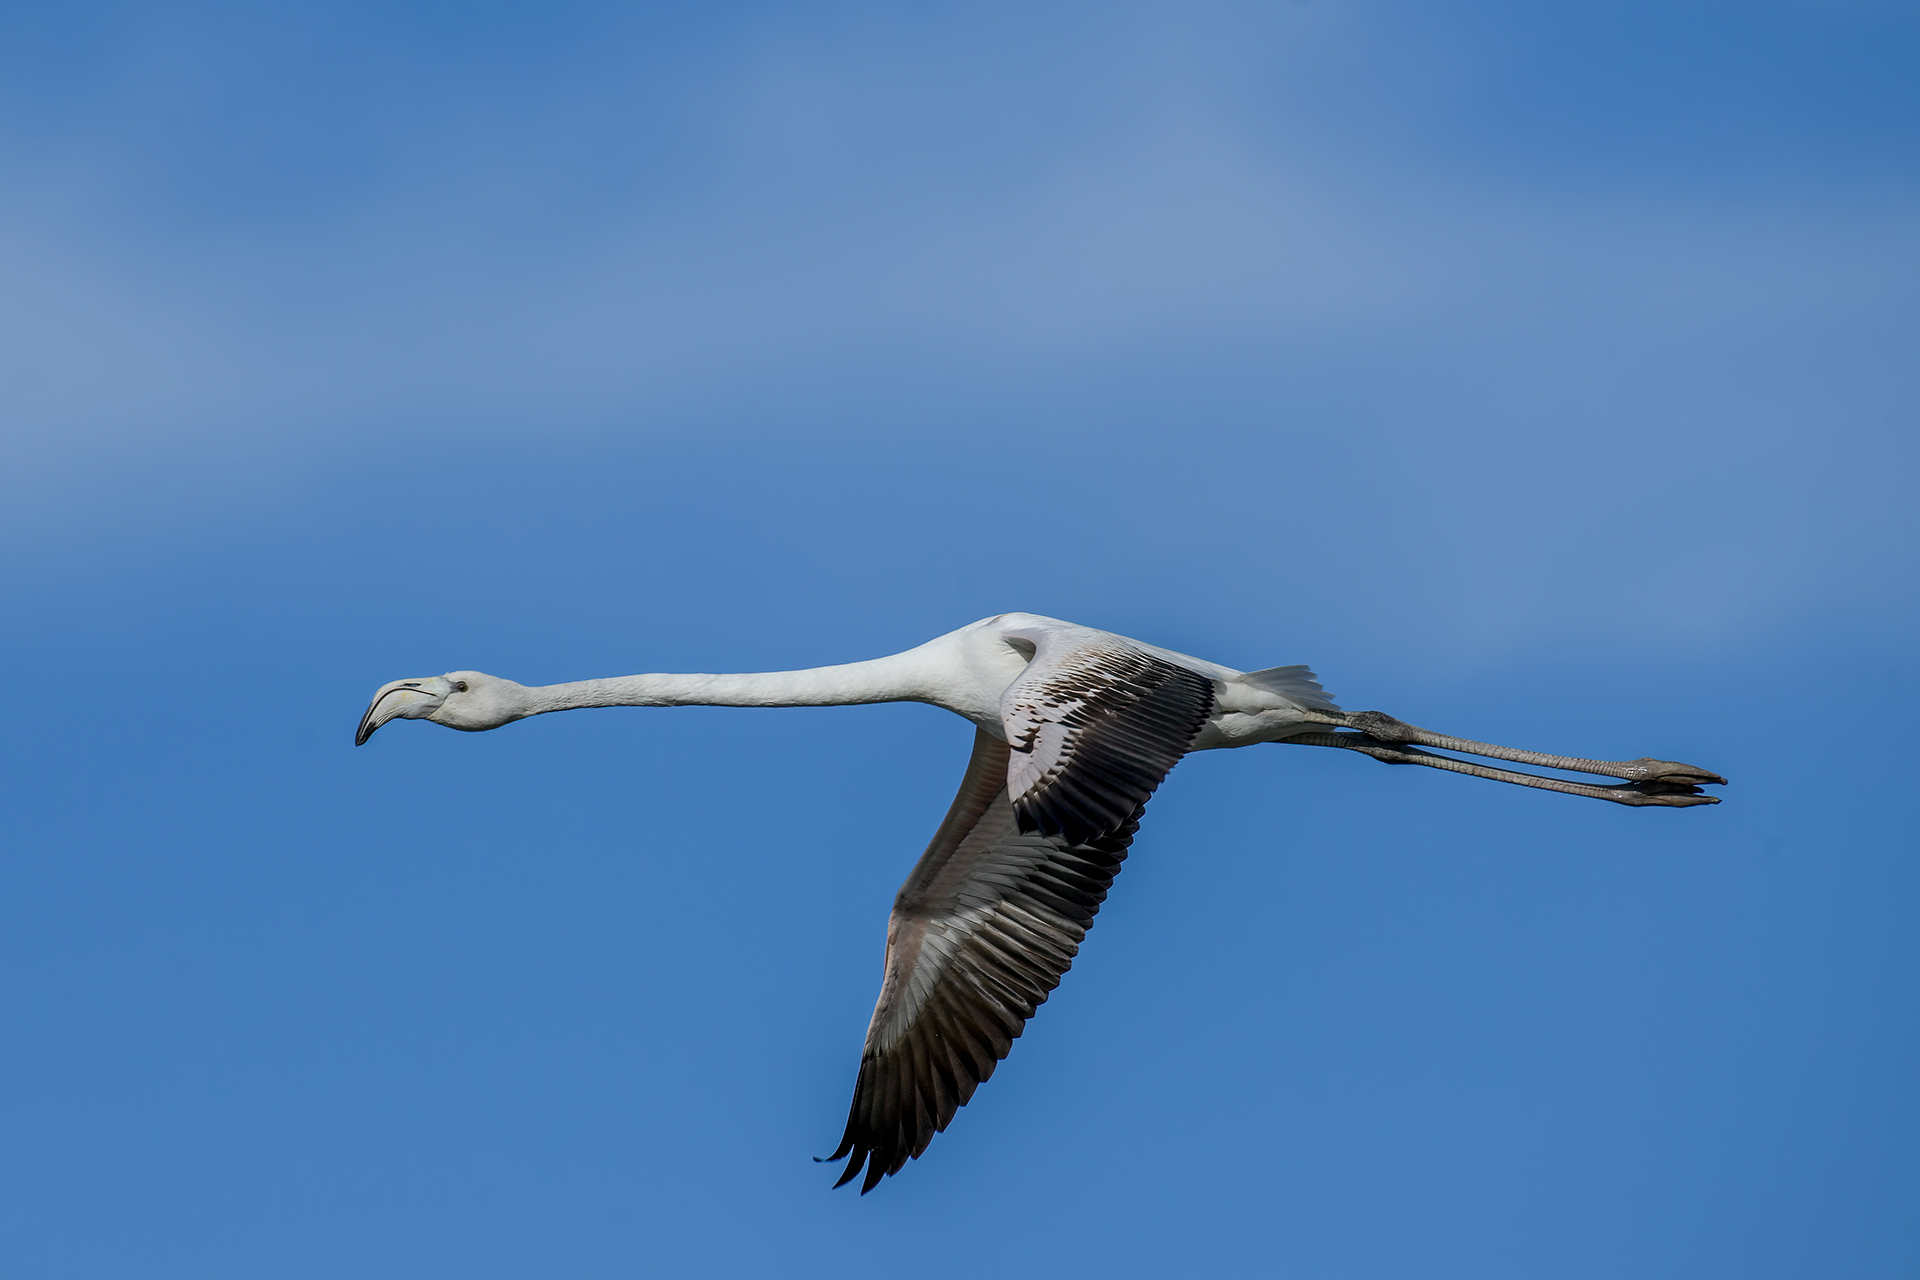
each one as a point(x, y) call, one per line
point(902, 677)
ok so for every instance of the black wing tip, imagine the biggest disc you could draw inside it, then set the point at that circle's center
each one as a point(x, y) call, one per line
point(861, 1160)
point(862, 1157)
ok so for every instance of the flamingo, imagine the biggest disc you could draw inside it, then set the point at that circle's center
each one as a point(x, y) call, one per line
point(1074, 729)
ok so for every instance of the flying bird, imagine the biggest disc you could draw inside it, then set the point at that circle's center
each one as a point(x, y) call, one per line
point(1074, 728)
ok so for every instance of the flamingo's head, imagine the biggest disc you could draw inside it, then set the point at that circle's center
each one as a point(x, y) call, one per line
point(470, 700)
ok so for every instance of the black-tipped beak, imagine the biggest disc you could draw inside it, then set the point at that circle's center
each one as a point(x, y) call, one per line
point(395, 701)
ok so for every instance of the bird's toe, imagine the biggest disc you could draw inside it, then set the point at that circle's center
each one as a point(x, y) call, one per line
point(1665, 793)
point(1672, 772)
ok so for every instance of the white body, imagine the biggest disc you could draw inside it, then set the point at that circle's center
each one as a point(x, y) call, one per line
point(970, 670)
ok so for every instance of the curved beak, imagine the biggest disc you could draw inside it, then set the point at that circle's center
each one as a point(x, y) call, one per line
point(401, 700)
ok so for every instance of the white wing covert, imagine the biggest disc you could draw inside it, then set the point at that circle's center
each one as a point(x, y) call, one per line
point(1094, 727)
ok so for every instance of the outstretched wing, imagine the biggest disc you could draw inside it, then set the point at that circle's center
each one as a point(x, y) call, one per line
point(980, 934)
point(994, 912)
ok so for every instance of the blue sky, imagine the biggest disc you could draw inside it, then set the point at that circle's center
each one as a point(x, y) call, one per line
point(1541, 374)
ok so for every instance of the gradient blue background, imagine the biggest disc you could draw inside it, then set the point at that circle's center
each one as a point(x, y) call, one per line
point(1539, 373)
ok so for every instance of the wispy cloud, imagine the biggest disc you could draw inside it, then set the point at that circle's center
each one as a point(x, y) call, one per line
point(873, 192)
